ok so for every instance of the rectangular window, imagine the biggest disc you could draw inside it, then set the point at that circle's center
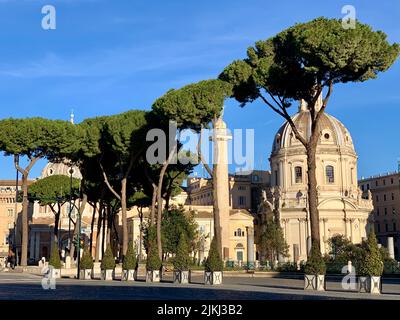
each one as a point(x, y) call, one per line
point(298, 172)
point(394, 226)
point(386, 227)
point(367, 186)
point(242, 201)
point(385, 211)
point(377, 198)
point(384, 182)
point(391, 181)
point(376, 183)
point(330, 175)
point(377, 212)
point(379, 227)
point(276, 178)
point(384, 197)
point(392, 196)
point(393, 210)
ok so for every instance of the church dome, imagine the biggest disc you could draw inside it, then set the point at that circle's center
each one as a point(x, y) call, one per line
point(60, 168)
point(332, 133)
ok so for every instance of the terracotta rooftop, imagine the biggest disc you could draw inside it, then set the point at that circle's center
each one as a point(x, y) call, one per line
point(11, 183)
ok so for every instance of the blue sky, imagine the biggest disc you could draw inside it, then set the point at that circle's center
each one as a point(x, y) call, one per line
point(108, 56)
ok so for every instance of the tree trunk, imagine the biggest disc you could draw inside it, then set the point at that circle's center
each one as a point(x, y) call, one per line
point(25, 205)
point(56, 223)
point(160, 199)
point(153, 206)
point(140, 233)
point(77, 224)
point(217, 226)
point(109, 222)
point(124, 218)
point(103, 231)
point(92, 227)
point(72, 251)
point(312, 189)
point(98, 234)
point(159, 220)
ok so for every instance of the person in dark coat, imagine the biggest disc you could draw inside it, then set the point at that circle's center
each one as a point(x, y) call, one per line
point(11, 258)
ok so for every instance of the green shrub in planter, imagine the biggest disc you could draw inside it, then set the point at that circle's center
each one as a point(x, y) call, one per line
point(108, 261)
point(372, 264)
point(214, 261)
point(287, 267)
point(390, 266)
point(182, 259)
point(86, 261)
point(130, 261)
point(315, 263)
point(153, 262)
point(55, 261)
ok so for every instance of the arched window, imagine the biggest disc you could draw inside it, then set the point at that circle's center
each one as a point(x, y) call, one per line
point(330, 174)
point(298, 174)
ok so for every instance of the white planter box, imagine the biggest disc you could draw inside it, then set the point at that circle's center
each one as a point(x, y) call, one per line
point(375, 285)
point(54, 273)
point(96, 270)
point(153, 276)
point(85, 274)
point(320, 286)
point(128, 275)
point(314, 282)
point(181, 277)
point(369, 284)
point(108, 274)
point(213, 278)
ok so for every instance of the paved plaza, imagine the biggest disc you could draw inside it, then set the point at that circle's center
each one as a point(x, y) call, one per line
point(17, 286)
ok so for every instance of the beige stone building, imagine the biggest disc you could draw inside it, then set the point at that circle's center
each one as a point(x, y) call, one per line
point(239, 221)
point(342, 208)
point(245, 189)
point(9, 217)
point(385, 190)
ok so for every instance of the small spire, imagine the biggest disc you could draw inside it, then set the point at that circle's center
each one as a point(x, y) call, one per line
point(71, 119)
point(303, 105)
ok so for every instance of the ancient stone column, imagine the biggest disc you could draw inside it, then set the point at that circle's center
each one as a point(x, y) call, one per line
point(221, 183)
point(309, 245)
point(390, 247)
point(250, 247)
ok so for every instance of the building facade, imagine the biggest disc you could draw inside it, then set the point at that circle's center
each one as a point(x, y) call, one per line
point(10, 220)
point(342, 207)
point(239, 222)
point(385, 191)
point(245, 190)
